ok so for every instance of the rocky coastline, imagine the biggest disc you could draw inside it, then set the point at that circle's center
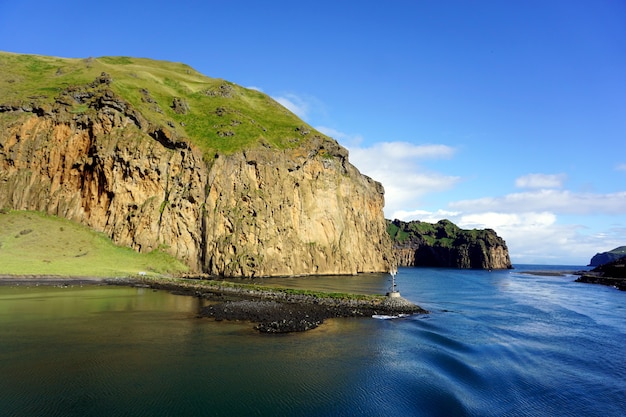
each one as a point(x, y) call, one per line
point(619, 283)
point(271, 310)
point(611, 273)
point(276, 310)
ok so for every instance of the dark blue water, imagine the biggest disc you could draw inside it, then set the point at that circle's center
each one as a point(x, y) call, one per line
point(499, 343)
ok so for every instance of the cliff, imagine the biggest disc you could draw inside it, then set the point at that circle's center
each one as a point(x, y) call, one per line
point(606, 257)
point(612, 273)
point(160, 157)
point(443, 244)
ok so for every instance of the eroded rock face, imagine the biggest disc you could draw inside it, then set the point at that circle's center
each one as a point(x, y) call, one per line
point(255, 213)
point(305, 209)
point(443, 244)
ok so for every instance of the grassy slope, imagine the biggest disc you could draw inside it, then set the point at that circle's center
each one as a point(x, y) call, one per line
point(223, 116)
point(621, 251)
point(443, 233)
point(34, 243)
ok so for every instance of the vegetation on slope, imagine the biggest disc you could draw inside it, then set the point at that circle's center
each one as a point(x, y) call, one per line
point(444, 244)
point(444, 233)
point(32, 243)
point(606, 257)
point(216, 115)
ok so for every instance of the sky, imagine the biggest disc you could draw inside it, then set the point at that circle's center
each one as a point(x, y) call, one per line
point(501, 114)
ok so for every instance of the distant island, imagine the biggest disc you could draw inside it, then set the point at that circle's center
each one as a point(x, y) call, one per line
point(444, 244)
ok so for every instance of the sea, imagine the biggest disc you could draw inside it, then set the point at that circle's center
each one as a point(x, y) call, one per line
point(521, 342)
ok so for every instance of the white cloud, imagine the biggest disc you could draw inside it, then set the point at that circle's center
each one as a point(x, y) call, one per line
point(329, 131)
point(538, 238)
point(304, 106)
point(495, 220)
point(621, 167)
point(532, 223)
point(426, 216)
point(344, 138)
point(538, 223)
point(295, 104)
point(395, 165)
point(407, 151)
point(541, 181)
point(559, 201)
point(533, 237)
point(255, 88)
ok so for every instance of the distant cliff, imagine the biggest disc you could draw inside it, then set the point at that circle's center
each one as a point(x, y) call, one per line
point(443, 244)
point(606, 257)
point(160, 157)
point(612, 273)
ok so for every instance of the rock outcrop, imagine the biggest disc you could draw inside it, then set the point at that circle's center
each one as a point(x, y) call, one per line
point(612, 273)
point(276, 310)
point(443, 244)
point(91, 156)
point(606, 257)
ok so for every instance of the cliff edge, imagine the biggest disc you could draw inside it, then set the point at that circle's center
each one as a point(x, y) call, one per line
point(602, 258)
point(443, 244)
point(160, 157)
point(612, 273)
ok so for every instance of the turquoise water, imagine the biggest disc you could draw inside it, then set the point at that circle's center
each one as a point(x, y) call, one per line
point(495, 344)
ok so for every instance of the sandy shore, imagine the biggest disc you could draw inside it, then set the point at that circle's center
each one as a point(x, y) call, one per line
point(271, 310)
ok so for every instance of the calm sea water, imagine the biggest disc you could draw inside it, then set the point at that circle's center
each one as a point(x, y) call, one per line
point(498, 343)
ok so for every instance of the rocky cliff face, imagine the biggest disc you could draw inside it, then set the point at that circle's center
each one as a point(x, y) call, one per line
point(606, 257)
point(91, 157)
point(443, 244)
point(612, 273)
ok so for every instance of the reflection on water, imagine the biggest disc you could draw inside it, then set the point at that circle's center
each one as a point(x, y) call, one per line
point(108, 350)
point(58, 302)
point(360, 284)
point(499, 343)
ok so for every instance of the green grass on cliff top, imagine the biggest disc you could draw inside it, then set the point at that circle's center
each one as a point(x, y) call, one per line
point(223, 117)
point(32, 243)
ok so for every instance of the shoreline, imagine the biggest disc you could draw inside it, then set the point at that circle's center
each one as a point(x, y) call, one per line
point(270, 309)
point(618, 283)
point(49, 280)
point(552, 273)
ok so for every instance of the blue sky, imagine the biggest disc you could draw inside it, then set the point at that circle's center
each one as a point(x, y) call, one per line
point(502, 114)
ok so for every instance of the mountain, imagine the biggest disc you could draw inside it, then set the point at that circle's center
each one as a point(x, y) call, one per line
point(606, 257)
point(159, 157)
point(443, 244)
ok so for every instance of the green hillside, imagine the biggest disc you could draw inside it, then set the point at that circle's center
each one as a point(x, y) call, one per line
point(214, 114)
point(620, 251)
point(606, 257)
point(444, 233)
point(34, 243)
